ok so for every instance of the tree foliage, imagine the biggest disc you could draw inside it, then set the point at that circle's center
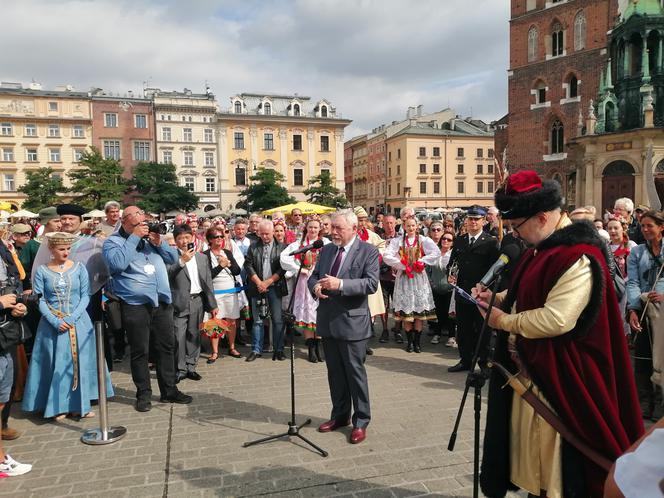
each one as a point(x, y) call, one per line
point(265, 191)
point(322, 191)
point(97, 181)
point(158, 190)
point(41, 189)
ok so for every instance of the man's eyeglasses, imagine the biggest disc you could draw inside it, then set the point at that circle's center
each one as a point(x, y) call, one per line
point(516, 227)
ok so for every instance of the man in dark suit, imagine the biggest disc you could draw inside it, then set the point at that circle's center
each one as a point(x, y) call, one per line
point(193, 294)
point(472, 254)
point(265, 287)
point(346, 273)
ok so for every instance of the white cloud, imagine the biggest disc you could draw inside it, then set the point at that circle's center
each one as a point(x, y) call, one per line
point(372, 59)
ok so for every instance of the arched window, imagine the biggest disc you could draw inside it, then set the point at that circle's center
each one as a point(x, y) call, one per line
point(238, 107)
point(532, 44)
point(296, 109)
point(323, 111)
point(557, 137)
point(573, 87)
point(557, 40)
point(580, 31)
point(267, 109)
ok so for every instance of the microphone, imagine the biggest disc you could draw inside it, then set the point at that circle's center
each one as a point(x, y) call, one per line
point(510, 253)
point(316, 245)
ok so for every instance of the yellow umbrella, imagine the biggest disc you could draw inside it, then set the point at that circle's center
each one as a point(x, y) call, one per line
point(305, 207)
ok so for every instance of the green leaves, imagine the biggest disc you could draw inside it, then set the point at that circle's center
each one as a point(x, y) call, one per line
point(156, 186)
point(41, 189)
point(322, 191)
point(97, 181)
point(265, 191)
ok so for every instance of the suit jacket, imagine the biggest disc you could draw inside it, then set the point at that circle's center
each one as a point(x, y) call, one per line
point(178, 277)
point(345, 314)
point(253, 265)
point(473, 262)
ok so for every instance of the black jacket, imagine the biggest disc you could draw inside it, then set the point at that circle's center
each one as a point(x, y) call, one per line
point(253, 265)
point(473, 262)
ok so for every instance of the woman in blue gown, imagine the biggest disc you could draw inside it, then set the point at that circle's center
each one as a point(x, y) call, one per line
point(62, 377)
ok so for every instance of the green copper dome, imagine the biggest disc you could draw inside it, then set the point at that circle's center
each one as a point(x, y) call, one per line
point(643, 8)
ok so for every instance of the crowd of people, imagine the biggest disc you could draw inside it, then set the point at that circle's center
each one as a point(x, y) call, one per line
point(248, 282)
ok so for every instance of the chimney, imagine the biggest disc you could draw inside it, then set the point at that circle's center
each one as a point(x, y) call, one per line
point(419, 110)
point(411, 113)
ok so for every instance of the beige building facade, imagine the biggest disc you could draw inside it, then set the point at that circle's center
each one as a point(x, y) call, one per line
point(429, 168)
point(292, 134)
point(38, 129)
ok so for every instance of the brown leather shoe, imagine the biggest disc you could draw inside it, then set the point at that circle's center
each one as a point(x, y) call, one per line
point(358, 435)
point(9, 434)
point(332, 425)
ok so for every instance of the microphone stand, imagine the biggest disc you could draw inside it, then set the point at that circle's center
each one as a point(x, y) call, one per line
point(293, 428)
point(475, 379)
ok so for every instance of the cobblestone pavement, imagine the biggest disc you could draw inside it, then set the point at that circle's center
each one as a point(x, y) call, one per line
point(196, 450)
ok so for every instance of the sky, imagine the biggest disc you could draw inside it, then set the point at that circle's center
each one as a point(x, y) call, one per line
point(371, 59)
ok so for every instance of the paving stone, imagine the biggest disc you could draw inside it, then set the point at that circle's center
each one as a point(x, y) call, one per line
point(414, 404)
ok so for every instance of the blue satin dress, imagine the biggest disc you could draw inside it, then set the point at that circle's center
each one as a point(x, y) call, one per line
point(51, 386)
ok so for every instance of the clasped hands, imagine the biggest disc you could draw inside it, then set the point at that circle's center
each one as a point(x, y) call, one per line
point(328, 282)
point(8, 301)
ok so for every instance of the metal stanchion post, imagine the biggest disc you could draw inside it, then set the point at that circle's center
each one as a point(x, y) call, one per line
point(105, 434)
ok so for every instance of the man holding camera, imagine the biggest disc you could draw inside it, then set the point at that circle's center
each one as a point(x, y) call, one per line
point(193, 294)
point(265, 287)
point(137, 259)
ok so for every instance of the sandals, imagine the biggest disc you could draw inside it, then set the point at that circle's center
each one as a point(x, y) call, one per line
point(212, 358)
point(234, 353)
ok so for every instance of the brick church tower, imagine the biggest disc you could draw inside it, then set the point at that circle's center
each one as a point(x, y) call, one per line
point(558, 49)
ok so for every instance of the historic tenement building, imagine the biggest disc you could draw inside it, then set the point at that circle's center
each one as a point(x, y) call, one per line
point(292, 134)
point(40, 128)
point(123, 128)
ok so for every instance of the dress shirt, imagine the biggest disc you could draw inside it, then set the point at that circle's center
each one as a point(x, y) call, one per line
point(192, 269)
point(138, 269)
point(267, 259)
point(243, 244)
point(343, 260)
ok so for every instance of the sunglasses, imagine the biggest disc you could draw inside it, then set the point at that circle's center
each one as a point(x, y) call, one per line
point(448, 239)
point(218, 236)
point(436, 229)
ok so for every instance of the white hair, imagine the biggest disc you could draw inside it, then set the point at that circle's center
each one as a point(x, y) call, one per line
point(253, 216)
point(111, 205)
point(409, 210)
point(265, 224)
point(625, 202)
point(348, 215)
point(493, 210)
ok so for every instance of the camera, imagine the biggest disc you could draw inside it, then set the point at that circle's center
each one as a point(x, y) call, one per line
point(160, 228)
point(11, 287)
point(263, 308)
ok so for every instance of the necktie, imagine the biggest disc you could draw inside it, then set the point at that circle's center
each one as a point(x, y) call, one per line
point(471, 241)
point(337, 262)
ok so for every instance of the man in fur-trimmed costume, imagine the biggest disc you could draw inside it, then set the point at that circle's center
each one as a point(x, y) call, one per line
point(561, 333)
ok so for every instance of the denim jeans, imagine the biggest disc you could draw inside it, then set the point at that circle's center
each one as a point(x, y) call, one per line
point(257, 332)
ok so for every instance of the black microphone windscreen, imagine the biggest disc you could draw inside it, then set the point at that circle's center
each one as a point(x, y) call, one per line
point(318, 244)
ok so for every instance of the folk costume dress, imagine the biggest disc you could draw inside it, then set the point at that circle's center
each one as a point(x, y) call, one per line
point(305, 305)
point(376, 301)
point(413, 299)
point(62, 377)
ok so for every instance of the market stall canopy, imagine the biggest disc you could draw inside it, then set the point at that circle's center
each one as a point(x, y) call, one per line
point(173, 214)
point(95, 213)
point(305, 207)
point(215, 213)
point(23, 213)
point(239, 212)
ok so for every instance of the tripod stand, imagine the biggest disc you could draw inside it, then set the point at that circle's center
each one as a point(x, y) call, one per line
point(476, 380)
point(293, 428)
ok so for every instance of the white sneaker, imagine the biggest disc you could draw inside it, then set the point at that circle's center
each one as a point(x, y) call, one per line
point(11, 467)
point(451, 343)
point(435, 339)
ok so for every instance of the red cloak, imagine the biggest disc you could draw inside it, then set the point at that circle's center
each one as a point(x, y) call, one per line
point(585, 374)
